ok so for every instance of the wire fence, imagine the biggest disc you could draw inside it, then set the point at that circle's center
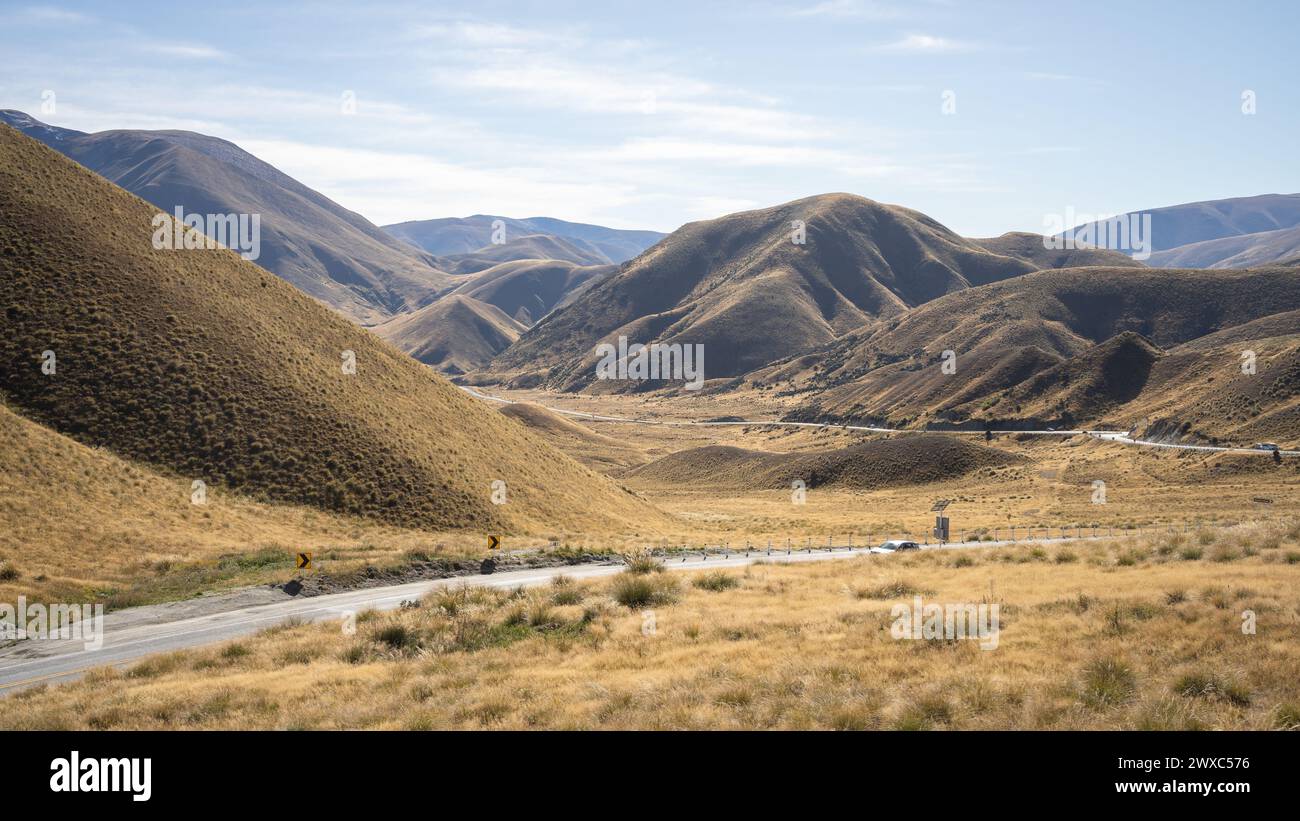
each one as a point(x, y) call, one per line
point(1010, 534)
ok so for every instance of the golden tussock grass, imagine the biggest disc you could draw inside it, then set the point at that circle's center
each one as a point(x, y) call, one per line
point(1136, 633)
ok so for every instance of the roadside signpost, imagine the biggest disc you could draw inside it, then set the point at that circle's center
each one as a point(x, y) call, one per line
point(941, 523)
point(304, 561)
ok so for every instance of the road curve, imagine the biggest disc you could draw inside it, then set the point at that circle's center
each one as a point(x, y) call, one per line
point(1107, 435)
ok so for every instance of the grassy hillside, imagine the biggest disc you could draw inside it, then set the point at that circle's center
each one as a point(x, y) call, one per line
point(1029, 247)
point(333, 254)
point(455, 334)
point(741, 287)
point(205, 364)
point(1007, 332)
point(880, 463)
point(527, 290)
point(78, 523)
point(593, 449)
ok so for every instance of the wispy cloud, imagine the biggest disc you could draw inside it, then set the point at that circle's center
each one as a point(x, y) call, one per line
point(47, 14)
point(925, 44)
point(187, 52)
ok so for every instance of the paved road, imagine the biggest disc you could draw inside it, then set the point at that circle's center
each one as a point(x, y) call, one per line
point(1107, 435)
point(127, 640)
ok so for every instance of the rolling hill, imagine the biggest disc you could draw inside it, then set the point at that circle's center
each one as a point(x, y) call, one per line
point(1240, 232)
point(879, 463)
point(532, 247)
point(203, 365)
point(1242, 251)
point(529, 289)
point(456, 334)
point(1030, 248)
point(451, 235)
point(328, 252)
point(1076, 329)
point(742, 288)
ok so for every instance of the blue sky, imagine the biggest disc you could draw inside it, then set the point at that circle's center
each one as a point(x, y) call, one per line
point(648, 115)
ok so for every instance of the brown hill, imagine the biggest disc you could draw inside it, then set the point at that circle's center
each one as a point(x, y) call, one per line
point(880, 463)
point(741, 287)
point(529, 289)
point(1084, 386)
point(1029, 247)
point(1199, 392)
point(593, 449)
point(456, 334)
point(1243, 251)
point(1006, 332)
point(325, 250)
point(534, 247)
point(206, 365)
point(463, 235)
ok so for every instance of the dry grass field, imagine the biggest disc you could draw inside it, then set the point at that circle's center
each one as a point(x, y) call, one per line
point(1048, 482)
point(1139, 633)
point(81, 524)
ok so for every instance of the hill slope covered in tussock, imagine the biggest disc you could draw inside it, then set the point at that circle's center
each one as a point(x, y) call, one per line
point(1030, 248)
point(456, 334)
point(206, 365)
point(325, 250)
point(741, 286)
point(879, 463)
point(1007, 332)
point(527, 290)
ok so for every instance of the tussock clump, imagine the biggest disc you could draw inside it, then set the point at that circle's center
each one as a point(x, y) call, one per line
point(716, 581)
point(1205, 685)
point(642, 590)
point(641, 562)
point(895, 589)
point(1108, 682)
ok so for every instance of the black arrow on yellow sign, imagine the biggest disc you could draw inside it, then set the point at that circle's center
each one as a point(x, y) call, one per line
point(304, 561)
point(494, 542)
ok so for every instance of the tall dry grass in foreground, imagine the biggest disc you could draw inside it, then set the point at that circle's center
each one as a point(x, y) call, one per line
point(1129, 634)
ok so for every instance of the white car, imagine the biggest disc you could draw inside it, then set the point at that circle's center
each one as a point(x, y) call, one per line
point(1266, 446)
point(895, 545)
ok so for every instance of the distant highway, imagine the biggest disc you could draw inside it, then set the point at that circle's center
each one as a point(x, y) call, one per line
point(1119, 436)
point(129, 636)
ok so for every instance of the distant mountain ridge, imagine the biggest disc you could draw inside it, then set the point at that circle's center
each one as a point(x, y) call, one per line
point(451, 235)
point(332, 254)
point(1239, 232)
